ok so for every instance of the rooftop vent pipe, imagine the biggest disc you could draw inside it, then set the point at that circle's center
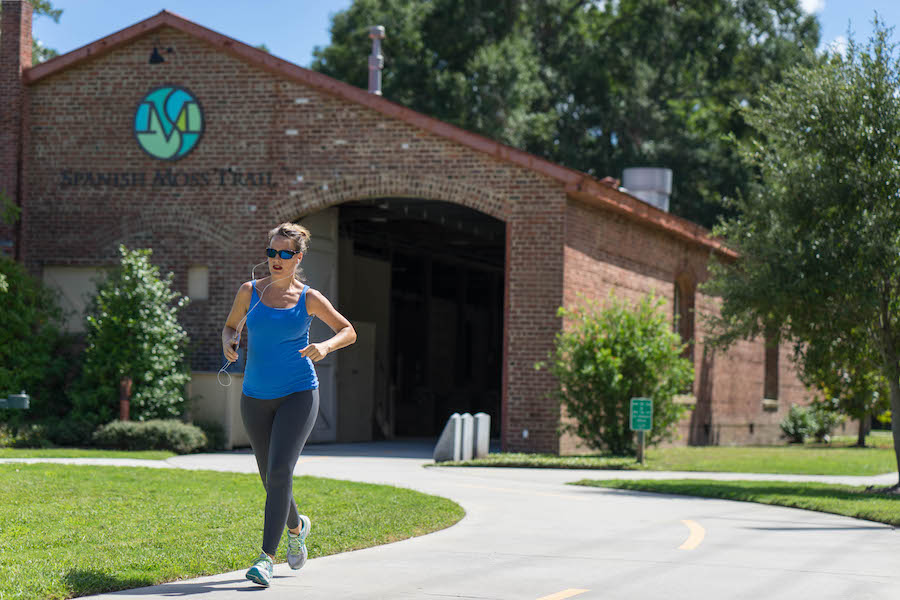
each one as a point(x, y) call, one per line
point(376, 60)
point(652, 185)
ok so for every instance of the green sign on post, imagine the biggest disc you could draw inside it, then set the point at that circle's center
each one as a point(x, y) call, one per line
point(641, 421)
point(641, 414)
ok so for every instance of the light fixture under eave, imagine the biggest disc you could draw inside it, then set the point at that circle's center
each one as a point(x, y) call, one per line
point(156, 57)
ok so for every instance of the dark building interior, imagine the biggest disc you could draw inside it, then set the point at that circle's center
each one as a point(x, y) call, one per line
point(445, 332)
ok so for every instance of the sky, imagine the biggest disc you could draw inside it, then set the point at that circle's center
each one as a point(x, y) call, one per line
point(292, 28)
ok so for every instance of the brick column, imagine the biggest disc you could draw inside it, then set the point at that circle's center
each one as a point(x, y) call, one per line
point(534, 291)
point(15, 56)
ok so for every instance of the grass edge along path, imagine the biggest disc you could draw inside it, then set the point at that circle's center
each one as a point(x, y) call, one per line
point(98, 529)
point(84, 453)
point(846, 500)
point(787, 460)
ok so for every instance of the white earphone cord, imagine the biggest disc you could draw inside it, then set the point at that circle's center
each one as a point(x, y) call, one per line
point(241, 324)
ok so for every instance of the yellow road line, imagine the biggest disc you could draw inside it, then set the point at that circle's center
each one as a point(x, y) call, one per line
point(696, 536)
point(564, 594)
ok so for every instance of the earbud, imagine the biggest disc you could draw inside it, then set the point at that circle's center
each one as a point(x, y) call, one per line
point(244, 320)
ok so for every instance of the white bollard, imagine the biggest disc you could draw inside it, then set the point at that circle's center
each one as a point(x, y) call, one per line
point(468, 436)
point(482, 434)
point(448, 446)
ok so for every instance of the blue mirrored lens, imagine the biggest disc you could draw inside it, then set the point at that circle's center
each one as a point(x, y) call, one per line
point(284, 254)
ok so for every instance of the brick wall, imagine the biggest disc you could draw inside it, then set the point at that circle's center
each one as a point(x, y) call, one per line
point(605, 251)
point(15, 55)
point(320, 150)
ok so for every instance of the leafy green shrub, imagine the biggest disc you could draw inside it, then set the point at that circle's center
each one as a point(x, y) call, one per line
point(73, 431)
point(798, 424)
point(815, 421)
point(612, 355)
point(33, 355)
point(155, 434)
point(6, 436)
point(824, 421)
point(31, 435)
point(133, 331)
point(215, 434)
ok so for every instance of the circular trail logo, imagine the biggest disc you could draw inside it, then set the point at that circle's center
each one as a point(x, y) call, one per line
point(168, 123)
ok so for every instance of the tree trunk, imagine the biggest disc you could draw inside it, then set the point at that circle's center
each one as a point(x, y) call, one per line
point(124, 397)
point(894, 384)
point(889, 352)
point(864, 427)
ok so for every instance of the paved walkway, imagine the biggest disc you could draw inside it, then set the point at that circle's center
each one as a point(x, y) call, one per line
point(527, 535)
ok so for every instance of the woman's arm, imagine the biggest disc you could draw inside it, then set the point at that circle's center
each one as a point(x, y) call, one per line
point(318, 305)
point(230, 334)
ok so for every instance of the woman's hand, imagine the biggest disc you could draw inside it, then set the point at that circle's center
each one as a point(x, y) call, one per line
point(229, 348)
point(315, 351)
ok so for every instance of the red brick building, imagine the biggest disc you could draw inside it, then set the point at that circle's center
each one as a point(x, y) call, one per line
point(449, 252)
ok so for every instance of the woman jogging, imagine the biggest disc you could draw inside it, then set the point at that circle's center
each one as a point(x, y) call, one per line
point(280, 399)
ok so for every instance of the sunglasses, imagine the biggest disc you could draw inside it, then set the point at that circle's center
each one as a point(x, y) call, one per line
point(284, 254)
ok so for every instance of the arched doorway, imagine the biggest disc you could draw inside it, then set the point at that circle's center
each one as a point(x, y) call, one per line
point(422, 280)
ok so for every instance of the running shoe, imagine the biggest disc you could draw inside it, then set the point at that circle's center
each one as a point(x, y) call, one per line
point(262, 570)
point(296, 544)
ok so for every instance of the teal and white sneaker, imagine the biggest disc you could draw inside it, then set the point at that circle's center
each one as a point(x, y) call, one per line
point(262, 570)
point(296, 544)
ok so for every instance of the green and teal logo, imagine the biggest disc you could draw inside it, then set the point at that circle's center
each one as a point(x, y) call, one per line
point(168, 123)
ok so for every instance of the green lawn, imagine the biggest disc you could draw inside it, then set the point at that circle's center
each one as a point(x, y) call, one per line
point(877, 439)
point(809, 459)
point(72, 530)
point(838, 499)
point(83, 453)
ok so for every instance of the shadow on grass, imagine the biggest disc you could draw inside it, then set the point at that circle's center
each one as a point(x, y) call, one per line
point(818, 497)
point(82, 582)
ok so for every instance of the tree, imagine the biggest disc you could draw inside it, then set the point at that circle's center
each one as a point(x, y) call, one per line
point(609, 356)
point(134, 340)
point(847, 372)
point(594, 86)
point(818, 231)
point(40, 52)
point(32, 343)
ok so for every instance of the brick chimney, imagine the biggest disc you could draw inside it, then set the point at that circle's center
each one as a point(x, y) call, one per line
point(15, 57)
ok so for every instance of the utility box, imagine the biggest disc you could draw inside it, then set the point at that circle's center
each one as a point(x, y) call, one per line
point(16, 401)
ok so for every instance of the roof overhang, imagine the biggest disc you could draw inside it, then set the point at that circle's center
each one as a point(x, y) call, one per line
point(579, 186)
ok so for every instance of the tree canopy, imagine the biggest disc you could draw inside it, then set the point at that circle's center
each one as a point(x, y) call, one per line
point(596, 86)
point(818, 231)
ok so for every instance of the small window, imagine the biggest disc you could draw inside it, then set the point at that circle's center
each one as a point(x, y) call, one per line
point(198, 283)
point(770, 390)
point(683, 317)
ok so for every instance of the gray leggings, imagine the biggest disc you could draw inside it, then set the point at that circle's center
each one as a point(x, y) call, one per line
point(278, 430)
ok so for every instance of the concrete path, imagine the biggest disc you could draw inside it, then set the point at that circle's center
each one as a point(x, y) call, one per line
point(527, 535)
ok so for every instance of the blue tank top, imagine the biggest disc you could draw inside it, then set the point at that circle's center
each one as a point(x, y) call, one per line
point(275, 336)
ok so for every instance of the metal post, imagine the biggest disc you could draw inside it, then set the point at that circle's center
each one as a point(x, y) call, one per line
point(376, 59)
point(640, 451)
